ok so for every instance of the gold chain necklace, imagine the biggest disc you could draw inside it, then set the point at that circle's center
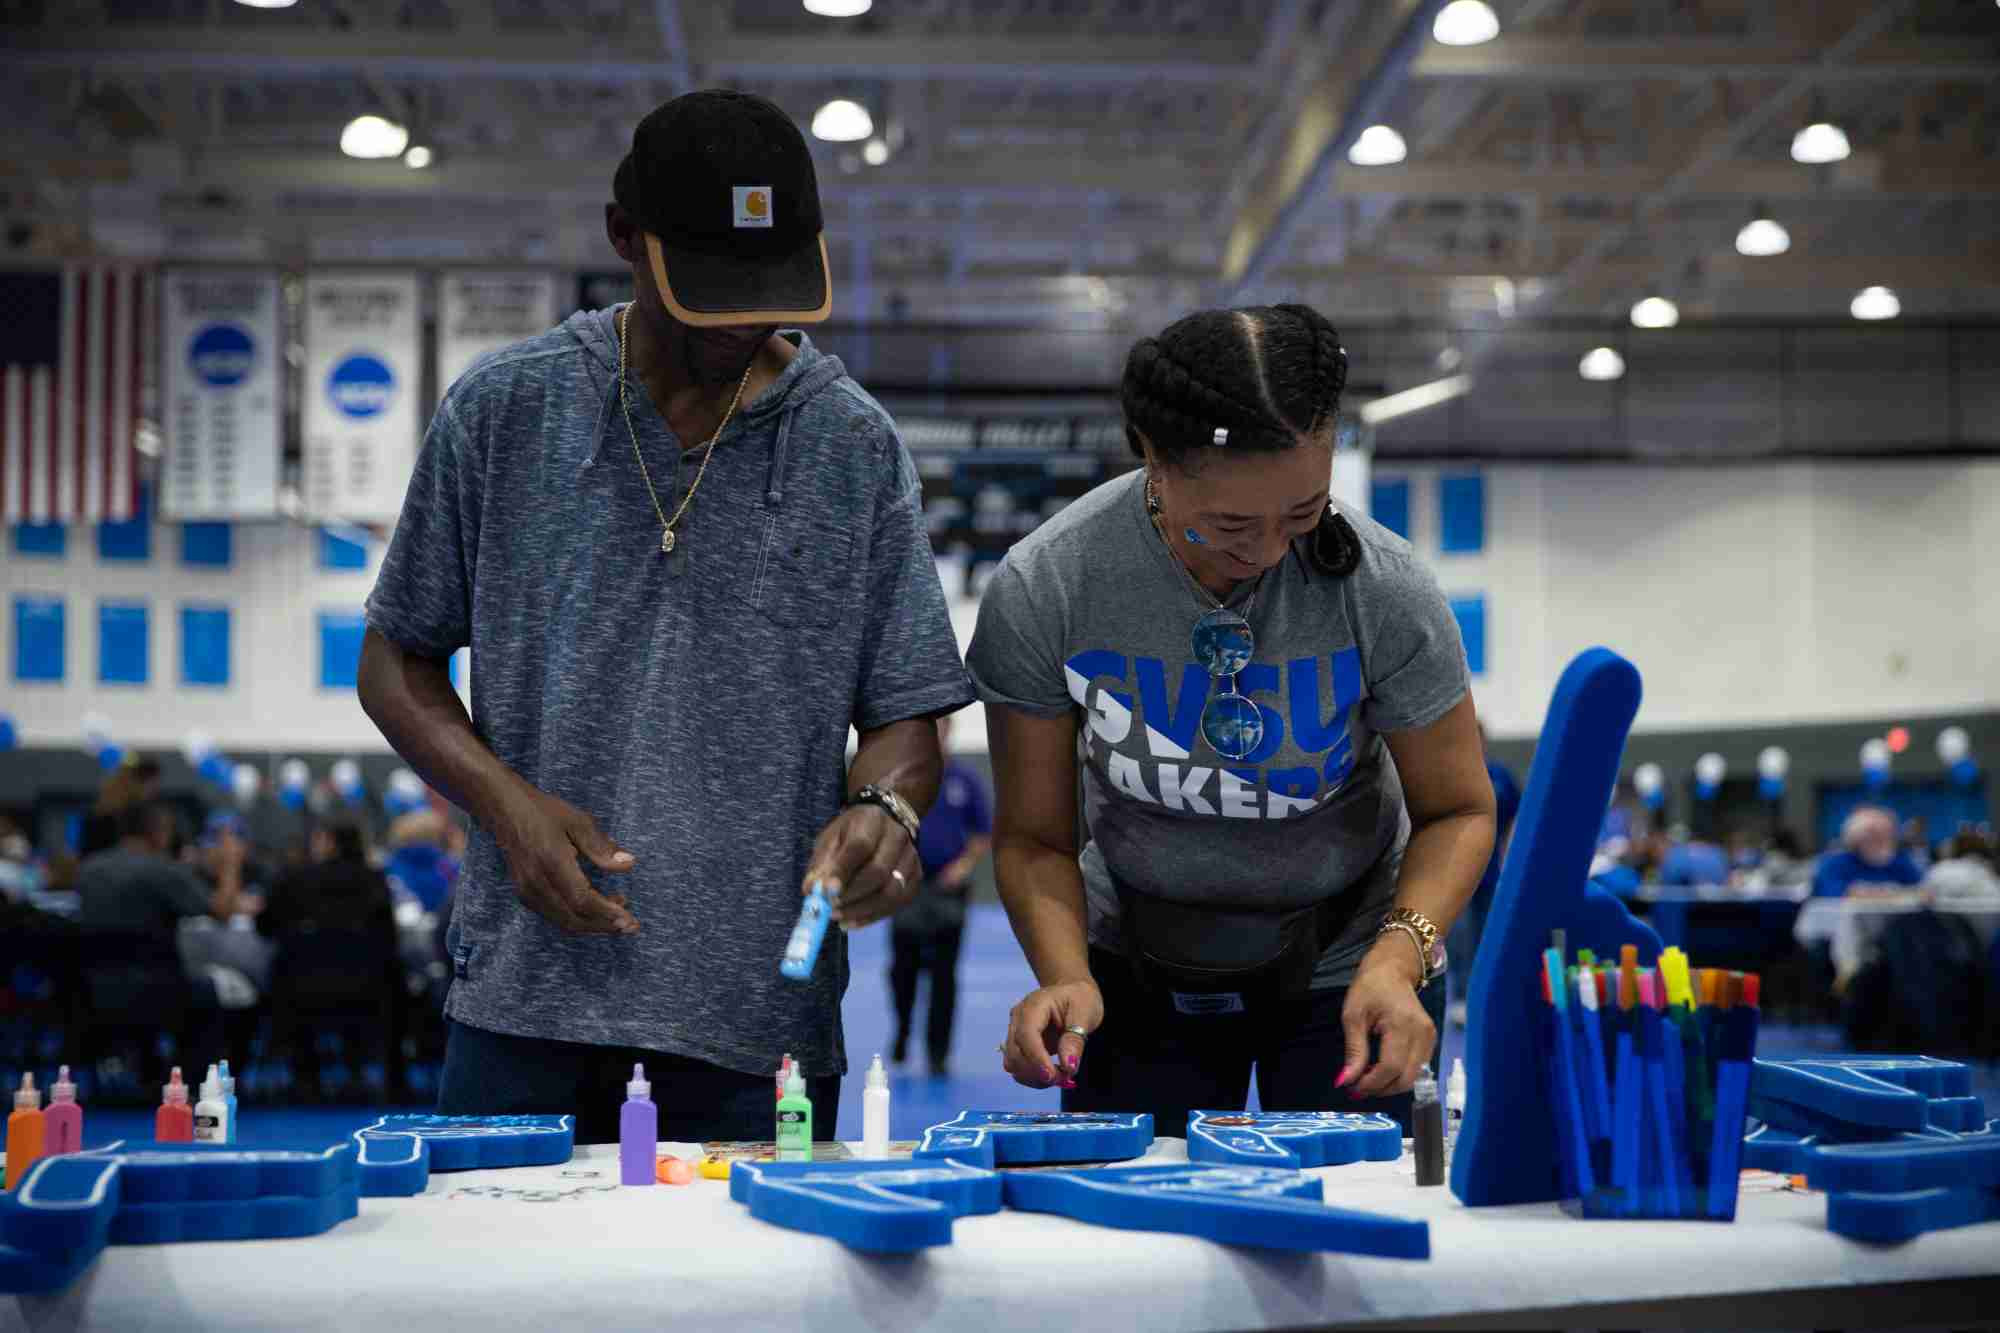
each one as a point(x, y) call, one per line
point(667, 524)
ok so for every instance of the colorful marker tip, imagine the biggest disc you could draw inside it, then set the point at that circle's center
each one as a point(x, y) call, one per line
point(1752, 988)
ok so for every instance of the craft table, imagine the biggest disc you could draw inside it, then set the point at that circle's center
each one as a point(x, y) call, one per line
point(688, 1256)
point(1850, 927)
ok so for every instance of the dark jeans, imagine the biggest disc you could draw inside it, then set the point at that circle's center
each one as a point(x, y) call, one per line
point(1147, 1057)
point(925, 938)
point(491, 1073)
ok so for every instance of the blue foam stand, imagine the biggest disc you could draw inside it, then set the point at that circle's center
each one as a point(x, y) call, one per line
point(1259, 1206)
point(1507, 1147)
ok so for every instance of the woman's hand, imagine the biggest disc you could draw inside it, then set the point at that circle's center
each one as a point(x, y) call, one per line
point(1382, 1002)
point(1039, 1050)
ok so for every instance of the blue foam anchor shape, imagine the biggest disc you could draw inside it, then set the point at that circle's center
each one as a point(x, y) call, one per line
point(1234, 1205)
point(1292, 1138)
point(1007, 1138)
point(1873, 1091)
point(477, 1142)
point(1891, 1218)
point(56, 1221)
point(874, 1206)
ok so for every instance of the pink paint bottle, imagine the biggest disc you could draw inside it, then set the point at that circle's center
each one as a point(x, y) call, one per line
point(63, 1121)
point(638, 1132)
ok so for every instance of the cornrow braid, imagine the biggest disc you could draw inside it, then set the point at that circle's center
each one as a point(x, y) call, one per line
point(1267, 375)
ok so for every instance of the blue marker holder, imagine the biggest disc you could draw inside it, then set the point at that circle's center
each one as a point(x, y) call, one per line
point(1258, 1206)
point(1508, 1150)
point(1898, 1143)
point(1291, 1139)
point(1016, 1138)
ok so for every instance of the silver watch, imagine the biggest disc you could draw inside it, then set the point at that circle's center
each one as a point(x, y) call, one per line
point(897, 808)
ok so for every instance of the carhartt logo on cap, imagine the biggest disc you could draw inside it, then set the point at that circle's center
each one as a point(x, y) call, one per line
point(753, 205)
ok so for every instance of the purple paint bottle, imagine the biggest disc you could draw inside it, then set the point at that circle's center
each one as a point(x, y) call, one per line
point(638, 1131)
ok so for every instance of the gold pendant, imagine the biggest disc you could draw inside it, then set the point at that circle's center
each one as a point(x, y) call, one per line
point(666, 541)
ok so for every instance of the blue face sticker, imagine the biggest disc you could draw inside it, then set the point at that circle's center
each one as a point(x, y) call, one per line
point(1195, 537)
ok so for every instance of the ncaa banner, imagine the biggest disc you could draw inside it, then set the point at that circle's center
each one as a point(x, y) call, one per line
point(221, 399)
point(483, 311)
point(360, 394)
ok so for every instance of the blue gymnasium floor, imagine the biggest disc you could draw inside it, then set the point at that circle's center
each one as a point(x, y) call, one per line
point(992, 976)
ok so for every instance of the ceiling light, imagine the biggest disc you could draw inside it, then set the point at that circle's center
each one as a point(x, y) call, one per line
point(1378, 146)
point(842, 121)
point(1415, 400)
point(1762, 237)
point(418, 156)
point(875, 152)
point(1656, 312)
point(1819, 143)
point(1600, 364)
point(839, 9)
point(1875, 303)
point(267, 4)
point(372, 136)
point(1466, 23)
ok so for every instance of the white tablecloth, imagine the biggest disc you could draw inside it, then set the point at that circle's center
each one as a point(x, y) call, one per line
point(1851, 926)
point(688, 1256)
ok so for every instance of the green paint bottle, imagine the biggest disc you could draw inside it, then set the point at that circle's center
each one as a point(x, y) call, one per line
point(795, 1121)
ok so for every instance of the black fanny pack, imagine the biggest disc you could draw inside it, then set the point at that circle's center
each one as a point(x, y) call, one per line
point(1212, 960)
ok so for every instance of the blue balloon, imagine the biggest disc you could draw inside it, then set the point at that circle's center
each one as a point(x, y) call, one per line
point(110, 757)
point(217, 769)
point(1965, 772)
point(1655, 799)
point(1875, 776)
point(1704, 791)
point(8, 737)
point(292, 798)
point(1771, 789)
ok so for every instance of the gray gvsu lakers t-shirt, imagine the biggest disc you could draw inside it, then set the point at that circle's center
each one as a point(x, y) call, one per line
point(1090, 612)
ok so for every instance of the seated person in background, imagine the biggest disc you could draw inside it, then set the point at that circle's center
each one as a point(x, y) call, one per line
point(135, 782)
point(339, 890)
point(419, 865)
point(209, 854)
point(18, 876)
point(135, 886)
point(1869, 856)
point(1694, 862)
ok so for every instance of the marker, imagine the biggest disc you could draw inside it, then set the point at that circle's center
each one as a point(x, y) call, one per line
point(1569, 1105)
point(1652, 1049)
point(1597, 1093)
point(1732, 1091)
point(1627, 1096)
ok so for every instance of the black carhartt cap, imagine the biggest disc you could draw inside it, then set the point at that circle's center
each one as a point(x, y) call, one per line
point(723, 185)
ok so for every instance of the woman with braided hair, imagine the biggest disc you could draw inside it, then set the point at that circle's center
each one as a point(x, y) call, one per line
point(1285, 800)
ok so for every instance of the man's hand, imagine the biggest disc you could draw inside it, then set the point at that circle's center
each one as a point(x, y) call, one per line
point(870, 860)
point(542, 837)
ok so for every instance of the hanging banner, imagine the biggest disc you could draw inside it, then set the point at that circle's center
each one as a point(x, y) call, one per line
point(221, 401)
point(483, 311)
point(360, 393)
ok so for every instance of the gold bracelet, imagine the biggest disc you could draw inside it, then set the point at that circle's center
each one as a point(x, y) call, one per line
point(1416, 942)
point(1423, 933)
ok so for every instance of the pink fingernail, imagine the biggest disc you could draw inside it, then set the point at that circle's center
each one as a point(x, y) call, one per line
point(1341, 1082)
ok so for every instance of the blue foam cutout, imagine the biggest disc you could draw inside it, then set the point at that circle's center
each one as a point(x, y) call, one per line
point(269, 1218)
point(1875, 1091)
point(56, 1221)
point(1005, 1138)
point(1768, 1148)
point(203, 1173)
point(392, 1165)
point(1962, 1115)
point(1507, 1148)
point(1292, 1138)
point(1937, 1160)
point(1889, 1219)
point(477, 1142)
point(876, 1206)
point(1235, 1205)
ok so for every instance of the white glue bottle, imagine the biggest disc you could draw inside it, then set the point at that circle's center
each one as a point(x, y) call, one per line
point(875, 1112)
point(211, 1113)
point(1454, 1110)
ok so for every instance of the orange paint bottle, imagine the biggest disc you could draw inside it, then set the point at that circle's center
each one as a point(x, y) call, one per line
point(25, 1130)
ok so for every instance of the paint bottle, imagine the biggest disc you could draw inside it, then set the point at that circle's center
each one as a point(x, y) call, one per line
point(211, 1113)
point(784, 1072)
point(26, 1131)
point(802, 950)
point(63, 1120)
point(638, 1132)
point(1427, 1122)
point(174, 1121)
point(229, 1096)
point(1454, 1110)
point(795, 1121)
point(875, 1112)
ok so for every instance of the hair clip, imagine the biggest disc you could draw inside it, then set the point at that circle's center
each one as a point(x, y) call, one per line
point(1221, 436)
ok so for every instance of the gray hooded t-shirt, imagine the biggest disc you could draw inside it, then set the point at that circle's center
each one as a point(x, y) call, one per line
point(1092, 613)
point(695, 704)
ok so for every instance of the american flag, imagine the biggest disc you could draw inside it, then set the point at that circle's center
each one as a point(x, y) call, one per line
point(70, 380)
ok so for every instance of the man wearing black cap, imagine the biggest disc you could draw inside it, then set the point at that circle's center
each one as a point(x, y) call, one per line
point(689, 553)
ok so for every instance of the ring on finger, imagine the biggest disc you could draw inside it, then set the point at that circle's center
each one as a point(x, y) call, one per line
point(1076, 1031)
point(902, 881)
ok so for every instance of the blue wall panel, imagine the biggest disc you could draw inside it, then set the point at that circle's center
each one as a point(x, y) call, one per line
point(1389, 505)
point(205, 645)
point(38, 638)
point(336, 552)
point(123, 655)
point(41, 539)
point(1470, 612)
point(206, 544)
point(1462, 514)
point(340, 635)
